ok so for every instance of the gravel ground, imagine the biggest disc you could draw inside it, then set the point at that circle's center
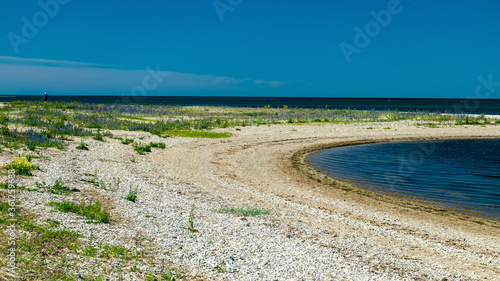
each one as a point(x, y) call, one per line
point(310, 234)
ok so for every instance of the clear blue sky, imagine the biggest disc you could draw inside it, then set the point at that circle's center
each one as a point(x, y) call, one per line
point(252, 48)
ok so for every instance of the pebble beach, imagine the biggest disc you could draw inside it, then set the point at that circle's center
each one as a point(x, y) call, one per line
point(314, 230)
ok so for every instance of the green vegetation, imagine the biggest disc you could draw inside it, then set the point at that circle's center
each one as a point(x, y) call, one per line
point(157, 145)
point(113, 186)
point(143, 148)
point(52, 223)
point(127, 141)
point(58, 187)
point(132, 195)
point(48, 252)
point(99, 136)
point(22, 166)
point(253, 211)
point(82, 146)
point(93, 178)
point(218, 269)
point(5, 185)
point(190, 225)
point(48, 124)
point(164, 276)
point(430, 125)
point(92, 211)
point(479, 120)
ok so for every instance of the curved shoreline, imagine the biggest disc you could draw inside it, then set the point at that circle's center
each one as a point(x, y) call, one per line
point(257, 167)
point(299, 161)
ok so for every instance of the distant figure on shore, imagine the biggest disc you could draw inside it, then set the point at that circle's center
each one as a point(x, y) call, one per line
point(45, 97)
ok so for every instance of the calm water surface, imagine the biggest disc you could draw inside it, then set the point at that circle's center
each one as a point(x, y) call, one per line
point(455, 174)
point(490, 106)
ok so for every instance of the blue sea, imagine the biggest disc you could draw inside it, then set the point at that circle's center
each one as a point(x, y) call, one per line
point(461, 175)
point(470, 106)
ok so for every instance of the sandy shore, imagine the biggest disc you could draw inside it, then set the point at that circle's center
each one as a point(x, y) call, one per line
point(318, 229)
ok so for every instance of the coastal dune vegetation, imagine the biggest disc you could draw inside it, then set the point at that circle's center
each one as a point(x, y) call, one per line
point(49, 124)
point(27, 128)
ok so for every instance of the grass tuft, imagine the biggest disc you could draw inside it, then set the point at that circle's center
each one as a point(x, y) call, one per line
point(98, 136)
point(82, 146)
point(58, 188)
point(132, 195)
point(253, 211)
point(190, 225)
point(127, 141)
point(142, 148)
point(91, 211)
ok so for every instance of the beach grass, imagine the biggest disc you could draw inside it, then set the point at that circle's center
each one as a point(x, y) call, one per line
point(251, 211)
point(93, 211)
point(82, 146)
point(46, 251)
point(57, 188)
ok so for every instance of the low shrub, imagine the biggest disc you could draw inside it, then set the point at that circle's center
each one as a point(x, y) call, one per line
point(22, 166)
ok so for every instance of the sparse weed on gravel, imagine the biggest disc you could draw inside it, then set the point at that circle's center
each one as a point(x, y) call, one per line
point(127, 141)
point(132, 195)
point(48, 252)
point(58, 187)
point(219, 268)
point(157, 145)
point(5, 185)
point(52, 223)
point(143, 148)
point(91, 211)
point(93, 178)
point(82, 146)
point(190, 225)
point(168, 276)
point(113, 186)
point(254, 211)
point(99, 136)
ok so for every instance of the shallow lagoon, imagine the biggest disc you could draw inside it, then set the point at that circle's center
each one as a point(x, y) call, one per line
point(463, 175)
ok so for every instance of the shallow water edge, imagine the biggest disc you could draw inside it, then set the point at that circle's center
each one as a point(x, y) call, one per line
point(299, 161)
